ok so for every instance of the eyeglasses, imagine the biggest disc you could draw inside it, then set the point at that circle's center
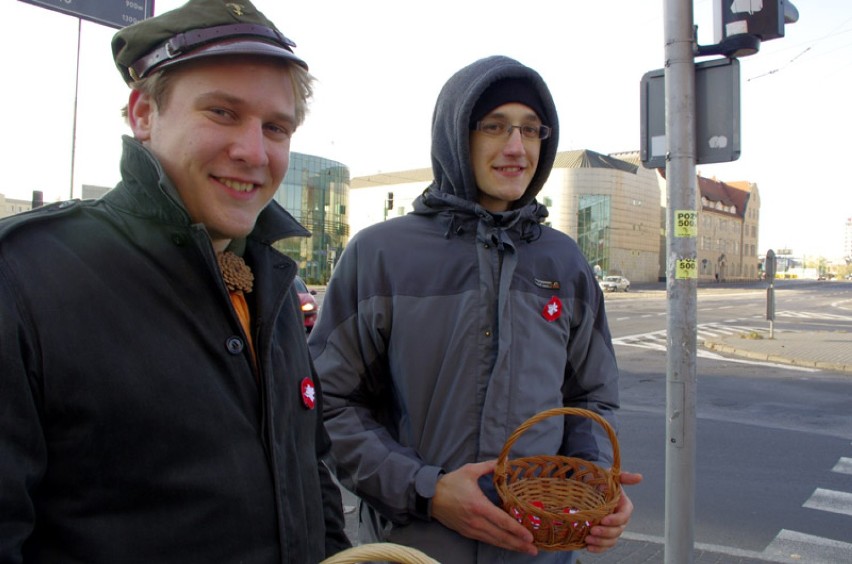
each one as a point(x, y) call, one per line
point(494, 128)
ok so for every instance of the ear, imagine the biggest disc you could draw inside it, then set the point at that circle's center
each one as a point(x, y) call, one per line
point(140, 113)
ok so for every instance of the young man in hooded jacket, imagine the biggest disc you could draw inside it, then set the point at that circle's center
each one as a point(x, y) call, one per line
point(445, 329)
point(157, 399)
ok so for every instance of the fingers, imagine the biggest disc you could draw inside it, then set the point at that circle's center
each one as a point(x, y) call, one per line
point(630, 478)
point(604, 536)
point(460, 505)
point(479, 468)
point(495, 526)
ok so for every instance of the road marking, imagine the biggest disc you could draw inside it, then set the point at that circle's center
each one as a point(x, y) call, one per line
point(656, 341)
point(843, 466)
point(830, 500)
point(714, 356)
point(790, 546)
point(714, 548)
point(812, 315)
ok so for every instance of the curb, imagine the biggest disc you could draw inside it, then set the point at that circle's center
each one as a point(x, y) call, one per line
point(768, 357)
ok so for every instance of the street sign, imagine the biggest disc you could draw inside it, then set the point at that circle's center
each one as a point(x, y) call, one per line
point(770, 265)
point(717, 114)
point(112, 13)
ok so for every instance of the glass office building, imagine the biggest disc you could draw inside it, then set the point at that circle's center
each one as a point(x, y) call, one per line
point(593, 229)
point(316, 192)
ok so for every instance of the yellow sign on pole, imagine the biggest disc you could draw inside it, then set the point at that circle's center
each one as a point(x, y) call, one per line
point(686, 269)
point(686, 223)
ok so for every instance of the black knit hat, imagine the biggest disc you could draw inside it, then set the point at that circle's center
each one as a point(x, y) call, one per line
point(506, 91)
point(199, 28)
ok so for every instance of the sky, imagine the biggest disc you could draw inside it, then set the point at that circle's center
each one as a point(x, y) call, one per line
point(380, 64)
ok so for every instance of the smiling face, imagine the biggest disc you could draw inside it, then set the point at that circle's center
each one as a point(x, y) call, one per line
point(222, 135)
point(504, 165)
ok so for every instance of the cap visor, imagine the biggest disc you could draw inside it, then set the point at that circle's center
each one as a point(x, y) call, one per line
point(236, 47)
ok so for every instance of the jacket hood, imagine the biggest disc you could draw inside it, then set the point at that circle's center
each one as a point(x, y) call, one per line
point(451, 163)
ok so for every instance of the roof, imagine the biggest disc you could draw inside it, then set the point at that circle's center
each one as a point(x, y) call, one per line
point(590, 159)
point(725, 194)
point(392, 178)
point(583, 158)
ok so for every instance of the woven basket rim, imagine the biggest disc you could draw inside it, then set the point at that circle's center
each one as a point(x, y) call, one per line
point(549, 528)
point(523, 427)
point(386, 551)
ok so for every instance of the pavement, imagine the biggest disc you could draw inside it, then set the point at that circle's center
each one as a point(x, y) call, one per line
point(824, 350)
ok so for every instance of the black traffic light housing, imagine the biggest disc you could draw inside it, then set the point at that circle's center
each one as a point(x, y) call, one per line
point(741, 25)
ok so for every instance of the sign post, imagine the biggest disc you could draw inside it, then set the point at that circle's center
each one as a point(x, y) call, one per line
point(770, 265)
point(111, 13)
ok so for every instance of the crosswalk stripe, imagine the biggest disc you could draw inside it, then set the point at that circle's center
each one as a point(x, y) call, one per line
point(843, 466)
point(708, 330)
point(791, 546)
point(830, 500)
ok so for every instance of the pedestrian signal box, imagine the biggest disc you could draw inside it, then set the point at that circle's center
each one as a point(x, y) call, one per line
point(763, 19)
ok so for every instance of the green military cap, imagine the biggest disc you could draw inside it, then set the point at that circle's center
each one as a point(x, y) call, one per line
point(199, 28)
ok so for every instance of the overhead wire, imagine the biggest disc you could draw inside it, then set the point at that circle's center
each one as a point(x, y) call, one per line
point(837, 31)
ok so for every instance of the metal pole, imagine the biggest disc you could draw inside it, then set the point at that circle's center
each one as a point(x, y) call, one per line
point(682, 283)
point(74, 126)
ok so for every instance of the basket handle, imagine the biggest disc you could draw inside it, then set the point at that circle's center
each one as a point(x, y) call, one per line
point(616, 454)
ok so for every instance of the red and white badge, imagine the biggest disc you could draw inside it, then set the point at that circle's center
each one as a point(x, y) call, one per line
point(309, 393)
point(552, 309)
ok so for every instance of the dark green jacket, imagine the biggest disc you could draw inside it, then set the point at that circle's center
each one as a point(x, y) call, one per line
point(133, 427)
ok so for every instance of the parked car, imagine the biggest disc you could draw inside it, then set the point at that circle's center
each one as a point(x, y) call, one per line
point(615, 284)
point(310, 306)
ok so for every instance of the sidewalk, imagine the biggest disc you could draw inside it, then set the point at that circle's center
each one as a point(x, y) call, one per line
point(824, 350)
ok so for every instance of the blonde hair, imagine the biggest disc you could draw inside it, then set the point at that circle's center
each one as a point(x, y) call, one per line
point(157, 86)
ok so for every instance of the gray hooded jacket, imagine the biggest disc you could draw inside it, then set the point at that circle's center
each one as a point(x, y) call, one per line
point(443, 330)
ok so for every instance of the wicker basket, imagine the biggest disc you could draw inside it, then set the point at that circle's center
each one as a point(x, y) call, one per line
point(384, 551)
point(558, 498)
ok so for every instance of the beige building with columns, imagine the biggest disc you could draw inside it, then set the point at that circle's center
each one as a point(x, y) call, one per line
point(614, 208)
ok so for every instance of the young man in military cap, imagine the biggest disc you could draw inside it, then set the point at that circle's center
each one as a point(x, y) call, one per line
point(157, 399)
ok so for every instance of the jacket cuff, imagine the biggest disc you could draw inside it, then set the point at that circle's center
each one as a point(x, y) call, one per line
point(424, 490)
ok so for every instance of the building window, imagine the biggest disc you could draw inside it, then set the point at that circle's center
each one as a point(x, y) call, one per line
point(316, 192)
point(593, 229)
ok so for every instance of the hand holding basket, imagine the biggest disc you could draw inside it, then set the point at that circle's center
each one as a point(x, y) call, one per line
point(558, 498)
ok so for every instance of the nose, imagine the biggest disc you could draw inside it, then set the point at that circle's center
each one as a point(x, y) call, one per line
point(515, 143)
point(249, 145)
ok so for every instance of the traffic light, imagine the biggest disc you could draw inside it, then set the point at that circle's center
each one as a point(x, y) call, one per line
point(390, 201)
point(740, 25)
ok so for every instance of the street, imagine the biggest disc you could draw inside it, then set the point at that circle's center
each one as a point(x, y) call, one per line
point(773, 442)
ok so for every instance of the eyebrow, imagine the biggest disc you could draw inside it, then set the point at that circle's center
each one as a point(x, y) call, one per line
point(220, 96)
